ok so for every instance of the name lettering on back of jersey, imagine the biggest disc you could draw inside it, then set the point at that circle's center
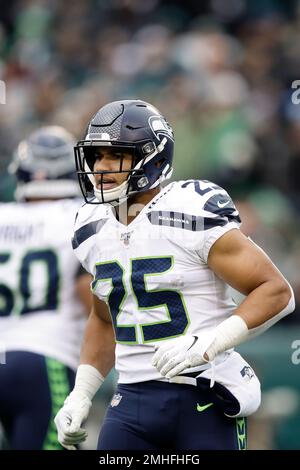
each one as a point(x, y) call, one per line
point(21, 233)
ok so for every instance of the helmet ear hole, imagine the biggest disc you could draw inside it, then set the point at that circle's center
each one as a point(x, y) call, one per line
point(160, 163)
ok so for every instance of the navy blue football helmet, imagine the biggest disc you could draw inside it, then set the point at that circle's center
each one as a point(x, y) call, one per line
point(43, 165)
point(126, 126)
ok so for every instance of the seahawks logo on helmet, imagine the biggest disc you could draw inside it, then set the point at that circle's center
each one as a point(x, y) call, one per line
point(160, 126)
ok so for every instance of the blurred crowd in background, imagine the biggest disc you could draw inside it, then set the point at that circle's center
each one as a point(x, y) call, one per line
point(220, 71)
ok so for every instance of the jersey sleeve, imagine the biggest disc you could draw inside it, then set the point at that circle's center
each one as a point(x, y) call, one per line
point(219, 216)
point(87, 224)
point(77, 241)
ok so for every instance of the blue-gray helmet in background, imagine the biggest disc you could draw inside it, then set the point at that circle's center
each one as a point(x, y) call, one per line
point(132, 126)
point(43, 165)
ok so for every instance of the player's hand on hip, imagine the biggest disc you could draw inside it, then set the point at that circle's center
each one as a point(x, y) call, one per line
point(178, 354)
point(69, 419)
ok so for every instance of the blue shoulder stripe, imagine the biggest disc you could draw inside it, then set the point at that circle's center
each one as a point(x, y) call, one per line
point(87, 231)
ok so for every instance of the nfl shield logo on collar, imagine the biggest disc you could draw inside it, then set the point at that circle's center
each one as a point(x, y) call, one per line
point(125, 237)
point(116, 399)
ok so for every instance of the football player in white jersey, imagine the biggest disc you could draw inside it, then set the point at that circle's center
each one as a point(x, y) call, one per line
point(44, 292)
point(162, 259)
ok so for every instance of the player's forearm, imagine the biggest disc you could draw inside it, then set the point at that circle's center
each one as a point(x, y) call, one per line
point(265, 302)
point(84, 292)
point(98, 348)
point(262, 308)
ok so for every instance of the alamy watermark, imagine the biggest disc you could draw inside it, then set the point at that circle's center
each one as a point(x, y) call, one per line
point(296, 354)
point(296, 94)
point(2, 353)
point(2, 101)
point(2, 92)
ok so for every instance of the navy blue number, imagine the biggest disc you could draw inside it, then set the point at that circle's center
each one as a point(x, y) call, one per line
point(197, 186)
point(113, 272)
point(6, 295)
point(49, 258)
point(176, 320)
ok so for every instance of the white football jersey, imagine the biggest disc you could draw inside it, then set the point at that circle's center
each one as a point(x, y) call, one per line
point(153, 273)
point(39, 309)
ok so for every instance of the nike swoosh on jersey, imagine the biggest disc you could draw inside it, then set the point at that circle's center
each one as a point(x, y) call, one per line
point(195, 341)
point(222, 204)
point(204, 407)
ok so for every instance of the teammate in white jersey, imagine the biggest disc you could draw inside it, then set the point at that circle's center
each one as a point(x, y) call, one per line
point(162, 260)
point(44, 292)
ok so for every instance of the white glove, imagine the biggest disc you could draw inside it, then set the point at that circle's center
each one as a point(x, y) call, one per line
point(178, 354)
point(188, 351)
point(70, 418)
point(77, 406)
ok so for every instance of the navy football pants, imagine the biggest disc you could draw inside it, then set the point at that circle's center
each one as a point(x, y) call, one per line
point(158, 415)
point(32, 390)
